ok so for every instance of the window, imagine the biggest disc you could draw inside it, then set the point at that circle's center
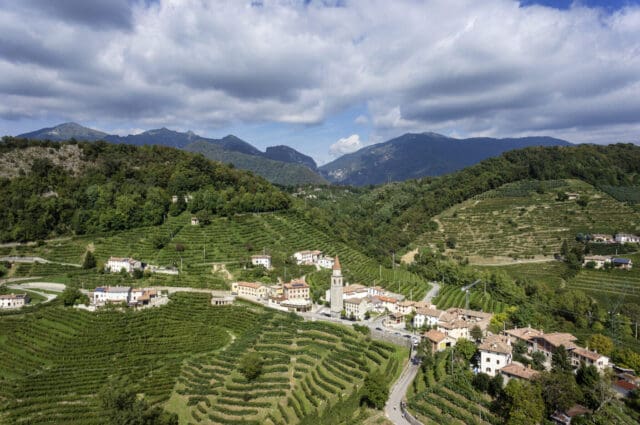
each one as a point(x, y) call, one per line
point(497, 361)
point(488, 370)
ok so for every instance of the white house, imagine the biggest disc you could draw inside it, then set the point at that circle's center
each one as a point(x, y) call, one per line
point(10, 301)
point(426, 317)
point(111, 294)
point(495, 353)
point(325, 262)
point(195, 221)
point(356, 307)
point(261, 260)
point(598, 261)
point(308, 257)
point(590, 358)
point(627, 238)
point(116, 264)
point(406, 307)
point(602, 238)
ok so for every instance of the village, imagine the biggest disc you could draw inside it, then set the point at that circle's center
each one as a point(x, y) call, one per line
point(389, 316)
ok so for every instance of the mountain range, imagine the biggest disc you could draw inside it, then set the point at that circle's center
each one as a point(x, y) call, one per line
point(409, 156)
point(417, 155)
point(279, 164)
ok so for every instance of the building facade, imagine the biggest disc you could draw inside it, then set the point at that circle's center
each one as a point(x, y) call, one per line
point(261, 260)
point(10, 301)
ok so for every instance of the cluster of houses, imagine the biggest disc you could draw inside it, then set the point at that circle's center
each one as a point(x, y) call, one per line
point(313, 258)
point(617, 238)
point(496, 351)
point(292, 296)
point(605, 261)
point(133, 297)
point(11, 301)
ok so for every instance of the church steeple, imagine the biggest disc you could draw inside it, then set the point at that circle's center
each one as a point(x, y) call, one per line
point(336, 289)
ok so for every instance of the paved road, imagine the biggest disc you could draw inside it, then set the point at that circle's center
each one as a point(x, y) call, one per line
point(392, 409)
point(433, 292)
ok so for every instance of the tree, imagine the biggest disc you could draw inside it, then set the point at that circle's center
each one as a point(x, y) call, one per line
point(465, 348)
point(251, 365)
point(601, 343)
point(70, 295)
point(89, 261)
point(520, 403)
point(375, 390)
point(538, 359)
point(481, 382)
point(476, 333)
point(123, 406)
point(560, 362)
point(451, 242)
point(495, 385)
point(588, 378)
point(559, 390)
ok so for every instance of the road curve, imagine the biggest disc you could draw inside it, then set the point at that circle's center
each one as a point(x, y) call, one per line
point(398, 392)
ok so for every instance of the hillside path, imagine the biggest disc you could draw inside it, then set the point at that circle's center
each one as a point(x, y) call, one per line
point(13, 259)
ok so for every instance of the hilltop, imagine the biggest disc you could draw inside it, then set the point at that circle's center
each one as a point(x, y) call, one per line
point(279, 164)
point(412, 156)
point(118, 187)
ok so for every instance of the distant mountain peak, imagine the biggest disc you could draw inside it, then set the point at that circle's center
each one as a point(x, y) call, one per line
point(415, 155)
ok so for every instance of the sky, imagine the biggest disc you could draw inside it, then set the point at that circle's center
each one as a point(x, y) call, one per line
point(326, 77)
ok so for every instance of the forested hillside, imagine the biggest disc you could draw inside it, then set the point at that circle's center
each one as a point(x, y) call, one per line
point(116, 187)
point(389, 217)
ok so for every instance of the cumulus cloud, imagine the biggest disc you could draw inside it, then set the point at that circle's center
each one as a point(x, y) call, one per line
point(491, 67)
point(345, 145)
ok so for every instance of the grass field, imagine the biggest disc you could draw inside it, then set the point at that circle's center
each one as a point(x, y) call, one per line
point(226, 240)
point(517, 221)
point(183, 356)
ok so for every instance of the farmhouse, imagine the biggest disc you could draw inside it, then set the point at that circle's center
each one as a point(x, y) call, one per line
point(626, 238)
point(116, 264)
point(111, 294)
point(547, 343)
point(325, 262)
point(426, 317)
point(438, 341)
point(296, 289)
point(598, 261)
point(195, 221)
point(356, 307)
point(140, 296)
point(622, 263)
point(516, 370)
point(406, 307)
point(307, 257)
point(525, 335)
point(590, 358)
point(261, 260)
point(602, 238)
point(495, 353)
point(572, 196)
point(249, 289)
point(9, 301)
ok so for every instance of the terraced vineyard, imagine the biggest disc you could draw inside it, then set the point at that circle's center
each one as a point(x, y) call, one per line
point(452, 402)
point(308, 365)
point(549, 272)
point(518, 221)
point(451, 296)
point(226, 240)
point(610, 287)
point(183, 356)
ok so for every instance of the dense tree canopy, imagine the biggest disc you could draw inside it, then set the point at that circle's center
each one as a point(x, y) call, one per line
point(117, 187)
